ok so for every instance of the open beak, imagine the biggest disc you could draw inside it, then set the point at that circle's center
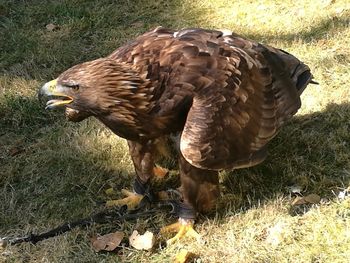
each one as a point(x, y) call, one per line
point(58, 94)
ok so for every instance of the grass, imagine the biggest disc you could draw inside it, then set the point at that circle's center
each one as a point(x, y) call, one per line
point(53, 171)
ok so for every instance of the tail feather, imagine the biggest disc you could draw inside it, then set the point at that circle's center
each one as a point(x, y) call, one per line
point(290, 78)
point(299, 72)
point(302, 77)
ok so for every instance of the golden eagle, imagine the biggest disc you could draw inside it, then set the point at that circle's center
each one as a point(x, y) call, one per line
point(220, 97)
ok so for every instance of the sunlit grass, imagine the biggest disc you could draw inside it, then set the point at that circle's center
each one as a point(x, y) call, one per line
point(53, 171)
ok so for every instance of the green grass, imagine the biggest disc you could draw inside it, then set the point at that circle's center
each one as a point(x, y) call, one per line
point(59, 170)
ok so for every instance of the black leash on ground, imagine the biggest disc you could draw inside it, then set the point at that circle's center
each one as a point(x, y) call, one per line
point(115, 215)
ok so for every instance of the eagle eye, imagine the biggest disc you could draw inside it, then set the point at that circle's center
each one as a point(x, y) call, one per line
point(73, 86)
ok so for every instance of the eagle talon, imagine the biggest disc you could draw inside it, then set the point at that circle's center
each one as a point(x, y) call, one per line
point(132, 200)
point(184, 228)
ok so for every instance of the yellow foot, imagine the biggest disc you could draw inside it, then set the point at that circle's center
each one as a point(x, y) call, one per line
point(132, 200)
point(159, 172)
point(183, 227)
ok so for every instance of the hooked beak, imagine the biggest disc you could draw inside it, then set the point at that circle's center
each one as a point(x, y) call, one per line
point(58, 92)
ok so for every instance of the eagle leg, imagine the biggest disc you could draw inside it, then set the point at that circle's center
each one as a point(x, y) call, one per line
point(199, 187)
point(132, 200)
point(142, 157)
point(184, 228)
point(199, 191)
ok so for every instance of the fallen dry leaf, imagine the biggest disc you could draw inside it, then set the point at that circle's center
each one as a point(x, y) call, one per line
point(160, 173)
point(309, 199)
point(107, 242)
point(140, 242)
point(299, 201)
point(184, 256)
point(295, 189)
point(3, 244)
point(15, 151)
point(51, 27)
point(276, 233)
point(344, 194)
point(312, 198)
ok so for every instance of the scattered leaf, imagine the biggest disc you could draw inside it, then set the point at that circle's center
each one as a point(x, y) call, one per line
point(15, 151)
point(184, 256)
point(295, 189)
point(300, 12)
point(276, 233)
point(51, 27)
point(312, 198)
point(3, 244)
point(145, 241)
point(107, 242)
point(328, 2)
point(299, 201)
point(160, 172)
point(339, 10)
point(342, 195)
point(309, 199)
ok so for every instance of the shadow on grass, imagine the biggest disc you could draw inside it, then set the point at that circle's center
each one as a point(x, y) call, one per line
point(53, 170)
point(46, 175)
point(84, 30)
point(44, 181)
point(64, 168)
point(311, 151)
point(23, 115)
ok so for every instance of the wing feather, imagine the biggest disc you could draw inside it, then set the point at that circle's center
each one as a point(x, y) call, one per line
point(234, 116)
point(228, 95)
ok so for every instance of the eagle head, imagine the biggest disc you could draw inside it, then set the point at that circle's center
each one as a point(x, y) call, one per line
point(92, 88)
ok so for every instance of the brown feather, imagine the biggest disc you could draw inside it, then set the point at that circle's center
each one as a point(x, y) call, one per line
point(224, 96)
